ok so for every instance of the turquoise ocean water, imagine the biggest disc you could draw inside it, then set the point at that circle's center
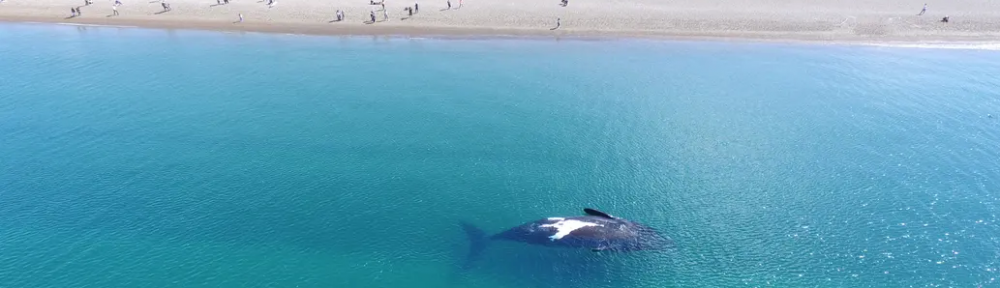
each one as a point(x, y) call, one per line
point(154, 158)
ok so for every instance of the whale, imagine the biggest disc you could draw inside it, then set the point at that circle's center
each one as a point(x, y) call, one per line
point(595, 230)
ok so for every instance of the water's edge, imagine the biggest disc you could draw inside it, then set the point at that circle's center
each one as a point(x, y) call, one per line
point(472, 33)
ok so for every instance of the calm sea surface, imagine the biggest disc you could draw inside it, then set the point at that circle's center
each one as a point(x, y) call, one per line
point(154, 158)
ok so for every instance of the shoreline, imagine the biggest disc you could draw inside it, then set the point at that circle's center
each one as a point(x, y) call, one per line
point(494, 20)
point(492, 33)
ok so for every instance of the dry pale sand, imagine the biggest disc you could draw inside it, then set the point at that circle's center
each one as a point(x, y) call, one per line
point(817, 20)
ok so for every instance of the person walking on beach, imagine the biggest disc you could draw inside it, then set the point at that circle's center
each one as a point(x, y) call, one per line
point(922, 11)
point(73, 11)
point(385, 14)
point(373, 15)
point(416, 7)
point(114, 10)
point(241, 17)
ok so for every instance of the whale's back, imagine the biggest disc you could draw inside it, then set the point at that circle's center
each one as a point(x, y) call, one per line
point(597, 231)
point(584, 232)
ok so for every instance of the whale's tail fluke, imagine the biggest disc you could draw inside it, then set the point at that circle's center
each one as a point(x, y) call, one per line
point(478, 241)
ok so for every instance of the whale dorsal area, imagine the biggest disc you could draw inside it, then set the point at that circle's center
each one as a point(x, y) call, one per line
point(595, 212)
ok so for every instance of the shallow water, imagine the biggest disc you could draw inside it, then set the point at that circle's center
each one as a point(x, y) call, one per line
point(155, 158)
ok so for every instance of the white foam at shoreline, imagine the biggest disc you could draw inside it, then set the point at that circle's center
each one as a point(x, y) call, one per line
point(87, 25)
point(992, 46)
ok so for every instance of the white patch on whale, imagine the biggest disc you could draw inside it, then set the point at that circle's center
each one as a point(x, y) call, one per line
point(564, 227)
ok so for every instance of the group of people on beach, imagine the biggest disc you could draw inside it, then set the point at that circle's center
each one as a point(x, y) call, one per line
point(76, 11)
point(385, 12)
point(412, 10)
point(340, 14)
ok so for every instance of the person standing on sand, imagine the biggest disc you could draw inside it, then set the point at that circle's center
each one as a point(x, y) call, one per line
point(385, 14)
point(373, 15)
point(922, 11)
point(114, 10)
point(72, 11)
point(416, 7)
point(449, 4)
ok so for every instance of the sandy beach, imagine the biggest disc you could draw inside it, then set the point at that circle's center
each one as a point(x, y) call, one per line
point(835, 20)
